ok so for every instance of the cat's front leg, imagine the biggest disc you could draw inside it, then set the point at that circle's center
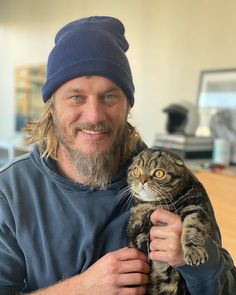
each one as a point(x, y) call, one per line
point(195, 229)
point(138, 228)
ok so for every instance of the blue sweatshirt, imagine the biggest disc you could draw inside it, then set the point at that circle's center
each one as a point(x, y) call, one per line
point(52, 228)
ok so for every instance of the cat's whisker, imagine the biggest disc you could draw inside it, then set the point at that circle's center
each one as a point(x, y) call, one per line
point(165, 201)
point(124, 193)
point(164, 196)
point(124, 190)
point(129, 200)
point(168, 195)
point(125, 198)
point(160, 195)
point(126, 203)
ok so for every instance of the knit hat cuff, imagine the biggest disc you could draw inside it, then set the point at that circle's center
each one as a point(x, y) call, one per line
point(91, 67)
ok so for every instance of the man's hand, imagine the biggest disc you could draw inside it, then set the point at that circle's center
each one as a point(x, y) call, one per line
point(123, 272)
point(116, 273)
point(165, 242)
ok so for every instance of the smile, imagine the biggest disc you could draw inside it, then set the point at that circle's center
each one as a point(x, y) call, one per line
point(91, 132)
point(92, 135)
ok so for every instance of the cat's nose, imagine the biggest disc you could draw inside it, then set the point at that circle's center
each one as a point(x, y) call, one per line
point(143, 179)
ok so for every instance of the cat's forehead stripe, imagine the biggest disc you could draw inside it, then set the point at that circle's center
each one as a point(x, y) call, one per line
point(155, 158)
point(142, 159)
point(153, 162)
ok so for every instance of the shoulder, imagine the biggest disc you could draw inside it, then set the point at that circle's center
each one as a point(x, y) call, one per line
point(22, 164)
point(17, 173)
point(18, 182)
point(17, 163)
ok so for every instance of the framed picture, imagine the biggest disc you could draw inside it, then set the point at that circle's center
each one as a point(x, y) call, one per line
point(28, 101)
point(216, 92)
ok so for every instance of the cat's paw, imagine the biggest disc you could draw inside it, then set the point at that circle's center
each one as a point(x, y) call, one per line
point(195, 255)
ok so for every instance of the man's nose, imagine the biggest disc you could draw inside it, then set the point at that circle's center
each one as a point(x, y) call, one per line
point(95, 112)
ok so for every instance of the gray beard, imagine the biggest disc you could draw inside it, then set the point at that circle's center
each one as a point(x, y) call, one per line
point(94, 169)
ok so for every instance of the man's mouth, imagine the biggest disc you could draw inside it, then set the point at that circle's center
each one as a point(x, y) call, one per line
point(92, 135)
point(91, 132)
point(92, 129)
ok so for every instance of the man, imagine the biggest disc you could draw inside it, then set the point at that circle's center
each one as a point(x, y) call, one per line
point(64, 207)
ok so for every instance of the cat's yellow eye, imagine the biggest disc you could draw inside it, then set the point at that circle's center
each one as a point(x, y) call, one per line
point(159, 173)
point(136, 172)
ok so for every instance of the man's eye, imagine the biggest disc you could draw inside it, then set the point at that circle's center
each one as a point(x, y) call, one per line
point(108, 97)
point(76, 98)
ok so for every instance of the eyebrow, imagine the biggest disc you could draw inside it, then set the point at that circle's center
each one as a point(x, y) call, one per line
point(79, 90)
point(76, 90)
point(113, 88)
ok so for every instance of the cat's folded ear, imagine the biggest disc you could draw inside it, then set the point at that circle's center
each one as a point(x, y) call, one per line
point(179, 162)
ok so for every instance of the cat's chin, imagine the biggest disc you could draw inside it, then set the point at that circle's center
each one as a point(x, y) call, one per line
point(145, 196)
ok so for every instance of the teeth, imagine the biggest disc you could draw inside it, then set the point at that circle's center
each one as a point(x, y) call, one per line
point(91, 132)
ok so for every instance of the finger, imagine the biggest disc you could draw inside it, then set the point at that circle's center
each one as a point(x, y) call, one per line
point(162, 215)
point(133, 279)
point(140, 290)
point(158, 245)
point(160, 232)
point(172, 245)
point(165, 256)
point(165, 232)
point(130, 254)
point(134, 266)
point(159, 256)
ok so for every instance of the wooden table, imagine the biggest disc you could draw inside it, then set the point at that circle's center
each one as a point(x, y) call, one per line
point(221, 188)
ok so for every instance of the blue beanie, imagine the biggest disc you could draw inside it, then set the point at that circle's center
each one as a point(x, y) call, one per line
point(90, 46)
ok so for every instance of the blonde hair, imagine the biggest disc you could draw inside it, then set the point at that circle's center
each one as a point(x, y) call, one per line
point(42, 132)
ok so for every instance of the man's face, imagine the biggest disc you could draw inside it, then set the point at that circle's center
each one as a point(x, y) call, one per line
point(90, 118)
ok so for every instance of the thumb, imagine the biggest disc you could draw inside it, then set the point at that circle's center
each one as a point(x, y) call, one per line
point(163, 216)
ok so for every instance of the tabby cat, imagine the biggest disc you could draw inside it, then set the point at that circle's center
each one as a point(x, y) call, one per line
point(159, 178)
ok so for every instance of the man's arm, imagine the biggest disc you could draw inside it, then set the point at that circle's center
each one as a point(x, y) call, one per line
point(215, 277)
point(12, 266)
point(114, 273)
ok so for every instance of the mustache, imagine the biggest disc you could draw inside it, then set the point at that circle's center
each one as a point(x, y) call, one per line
point(101, 127)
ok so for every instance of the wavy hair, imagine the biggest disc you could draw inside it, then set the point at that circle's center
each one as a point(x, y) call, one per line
point(42, 132)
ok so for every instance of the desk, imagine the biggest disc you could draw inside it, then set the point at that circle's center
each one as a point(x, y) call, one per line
point(221, 188)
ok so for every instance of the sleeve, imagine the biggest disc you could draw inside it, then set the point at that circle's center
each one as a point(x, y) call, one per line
point(12, 269)
point(215, 277)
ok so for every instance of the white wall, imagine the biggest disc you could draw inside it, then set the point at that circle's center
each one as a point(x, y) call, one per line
point(170, 43)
